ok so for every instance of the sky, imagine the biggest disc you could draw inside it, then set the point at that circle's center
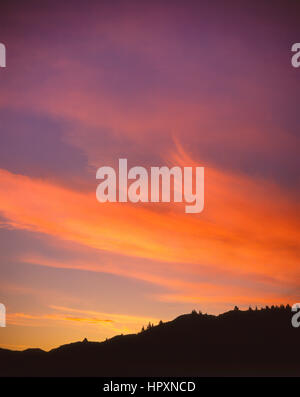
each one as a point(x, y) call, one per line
point(179, 83)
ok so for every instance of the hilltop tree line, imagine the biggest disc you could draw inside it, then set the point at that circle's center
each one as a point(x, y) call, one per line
point(236, 309)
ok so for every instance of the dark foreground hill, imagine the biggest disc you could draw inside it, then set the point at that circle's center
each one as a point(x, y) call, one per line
point(236, 343)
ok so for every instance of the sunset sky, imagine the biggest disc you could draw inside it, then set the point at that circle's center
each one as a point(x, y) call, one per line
point(161, 83)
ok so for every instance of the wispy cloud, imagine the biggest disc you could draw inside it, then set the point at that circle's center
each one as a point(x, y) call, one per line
point(113, 322)
point(249, 227)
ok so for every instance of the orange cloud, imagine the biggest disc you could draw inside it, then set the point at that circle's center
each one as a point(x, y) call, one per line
point(248, 227)
point(113, 322)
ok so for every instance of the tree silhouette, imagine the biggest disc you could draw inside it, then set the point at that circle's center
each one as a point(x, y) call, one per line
point(149, 326)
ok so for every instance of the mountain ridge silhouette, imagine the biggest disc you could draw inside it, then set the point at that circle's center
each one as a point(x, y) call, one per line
point(235, 343)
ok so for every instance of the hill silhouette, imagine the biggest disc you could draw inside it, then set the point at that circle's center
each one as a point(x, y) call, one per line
point(236, 343)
